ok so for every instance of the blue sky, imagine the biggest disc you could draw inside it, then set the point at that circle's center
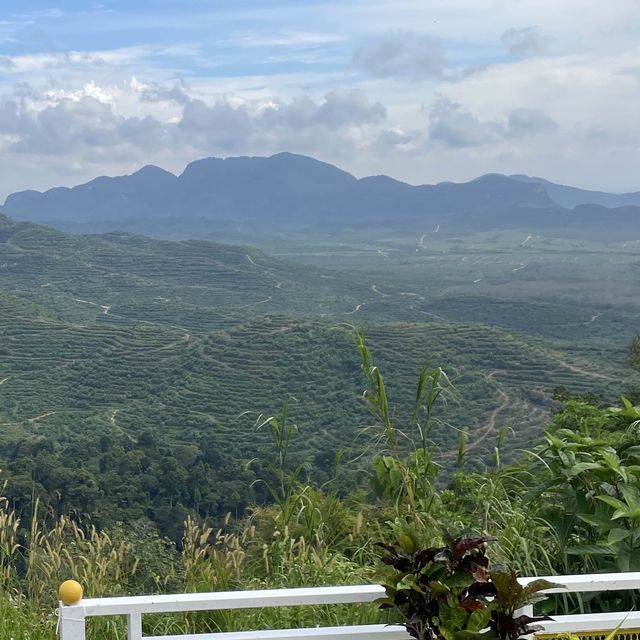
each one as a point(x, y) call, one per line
point(423, 90)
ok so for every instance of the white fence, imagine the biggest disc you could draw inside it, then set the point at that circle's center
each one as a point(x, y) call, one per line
point(73, 618)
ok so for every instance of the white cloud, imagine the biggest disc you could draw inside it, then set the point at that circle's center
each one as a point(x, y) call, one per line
point(455, 126)
point(303, 123)
point(525, 41)
point(296, 39)
point(524, 122)
point(85, 126)
point(401, 54)
point(94, 59)
point(106, 95)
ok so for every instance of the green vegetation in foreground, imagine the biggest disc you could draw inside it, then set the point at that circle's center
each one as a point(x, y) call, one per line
point(571, 505)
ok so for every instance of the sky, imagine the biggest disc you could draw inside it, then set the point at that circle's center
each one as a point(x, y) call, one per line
point(422, 90)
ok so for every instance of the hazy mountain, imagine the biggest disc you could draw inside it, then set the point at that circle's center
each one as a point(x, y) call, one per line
point(570, 197)
point(239, 199)
point(285, 186)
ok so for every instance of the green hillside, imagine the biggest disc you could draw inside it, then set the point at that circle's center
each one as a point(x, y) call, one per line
point(125, 403)
point(145, 363)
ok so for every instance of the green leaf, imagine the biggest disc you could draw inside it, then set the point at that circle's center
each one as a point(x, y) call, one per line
point(380, 601)
point(537, 586)
point(508, 589)
point(460, 579)
point(613, 502)
point(632, 451)
point(454, 618)
point(556, 443)
point(618, 535)
point(581, 467)
point(407, 582)
point(603, 522)
point(632, 514)
point(479, 619)
point(447, 634)
point(630, 494)
point(438, 589)
point(590, 550)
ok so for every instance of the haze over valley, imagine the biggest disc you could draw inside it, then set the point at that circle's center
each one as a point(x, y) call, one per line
point(277, 200)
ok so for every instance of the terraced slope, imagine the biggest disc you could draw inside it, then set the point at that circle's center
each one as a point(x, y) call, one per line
point(120, 278)
point(132, 370)
point(104, 324)
point(62, 377)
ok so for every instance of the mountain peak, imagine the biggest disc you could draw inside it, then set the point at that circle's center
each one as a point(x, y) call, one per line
point(151, 170)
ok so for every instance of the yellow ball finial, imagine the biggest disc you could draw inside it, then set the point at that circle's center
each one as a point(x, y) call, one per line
point(70, 592)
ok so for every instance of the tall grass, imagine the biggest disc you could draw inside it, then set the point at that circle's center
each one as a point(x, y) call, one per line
point(322, 543)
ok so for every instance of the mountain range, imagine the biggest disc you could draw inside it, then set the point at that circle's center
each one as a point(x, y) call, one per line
point(242, 198)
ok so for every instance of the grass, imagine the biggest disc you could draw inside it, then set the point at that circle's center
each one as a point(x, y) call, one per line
point(254, 554)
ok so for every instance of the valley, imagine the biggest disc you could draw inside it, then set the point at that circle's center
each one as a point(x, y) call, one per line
point(156, 356)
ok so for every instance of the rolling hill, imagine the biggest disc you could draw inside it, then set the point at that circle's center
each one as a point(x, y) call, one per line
point(132, 369)
point(119, 335)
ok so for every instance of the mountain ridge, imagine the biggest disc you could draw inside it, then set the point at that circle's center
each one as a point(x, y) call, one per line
point(571, 197)
point(287, 193)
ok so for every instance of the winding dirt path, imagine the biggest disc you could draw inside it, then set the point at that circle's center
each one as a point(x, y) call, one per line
point(490, 425)
point(428, 313)
point(491, 422)
point(187, 337)
point(253, 304)
point(584, 372)
point(114, 423)
point(583, 324)
point(349, 313)
point(375, 289)
point(41, 417)
point(412, 295)
point(105, 307)
point(578, 369)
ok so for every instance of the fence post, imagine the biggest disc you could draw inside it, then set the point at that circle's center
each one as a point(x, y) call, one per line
point(72, 623)
point(134, 626)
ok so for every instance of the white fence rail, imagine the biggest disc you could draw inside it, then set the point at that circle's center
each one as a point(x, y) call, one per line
point(73, 618)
